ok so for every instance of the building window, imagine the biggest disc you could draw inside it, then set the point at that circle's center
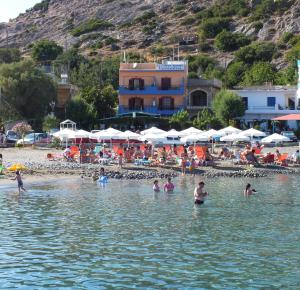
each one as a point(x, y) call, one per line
point(166, 103)
point(136, 84)
point(165, 83)
point(271, 101)
point(245, 101)
point(136, 104)
point(199, 98)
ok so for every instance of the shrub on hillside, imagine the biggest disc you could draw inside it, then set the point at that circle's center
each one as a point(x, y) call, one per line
point(213, 26)
point(90, 25)
point(228, 41)
point(259, 74)
point(258, 51)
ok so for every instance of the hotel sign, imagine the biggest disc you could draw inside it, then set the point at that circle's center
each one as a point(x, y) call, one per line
point(173, 67)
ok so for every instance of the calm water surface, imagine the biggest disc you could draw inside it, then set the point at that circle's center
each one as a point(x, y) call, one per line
point(78, 235)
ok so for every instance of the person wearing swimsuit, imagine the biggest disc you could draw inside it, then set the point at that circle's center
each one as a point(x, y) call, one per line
point(199, 193)
point(169, 186)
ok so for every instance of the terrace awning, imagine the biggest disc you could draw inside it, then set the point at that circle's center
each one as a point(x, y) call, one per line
point(290, 117)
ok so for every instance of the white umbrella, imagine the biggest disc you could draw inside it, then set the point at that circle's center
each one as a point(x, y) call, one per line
point(64, 134)
point(228, 130)
point(276, 138)
point(253, 133)
point(210, 133)
point(110, 133)
point(80, 134)
point(234, 137)
point(195, 138)
point(190, 131)
point(171, 134)
point(153, 138)
point(153, 130)
point(129, 135)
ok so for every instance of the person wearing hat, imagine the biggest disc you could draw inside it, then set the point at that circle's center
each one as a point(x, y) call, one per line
point(199, 193)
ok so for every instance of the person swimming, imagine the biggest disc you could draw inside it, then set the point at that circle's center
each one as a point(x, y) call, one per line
point(199, 193)
point(156, 186)
point(248, 190)
point(169, 186)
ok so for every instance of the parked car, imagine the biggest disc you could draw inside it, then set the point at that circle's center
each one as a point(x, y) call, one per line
point(33, 138)
point(291, 135)
point(12, 137)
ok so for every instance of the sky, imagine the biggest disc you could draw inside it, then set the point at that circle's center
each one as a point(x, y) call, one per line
point(12, 8)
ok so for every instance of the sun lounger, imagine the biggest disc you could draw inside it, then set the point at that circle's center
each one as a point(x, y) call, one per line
point(282, 160)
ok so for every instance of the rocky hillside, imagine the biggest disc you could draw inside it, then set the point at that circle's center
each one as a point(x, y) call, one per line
point(108, 26)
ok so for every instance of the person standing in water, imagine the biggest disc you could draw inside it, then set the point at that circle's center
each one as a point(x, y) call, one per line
point(156, 186)
point(19, 180)
point(248, 190)
point(199, 193)
point(169, 186)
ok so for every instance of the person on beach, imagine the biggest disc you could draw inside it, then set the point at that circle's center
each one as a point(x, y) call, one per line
point(67, 154)
point(184, 156)
point(156, 186)
point(192, 166)
point(169, 186)
point(19, 180)
point(120, 160)
point(248, 190)
point(295, 157)
point(199, 193)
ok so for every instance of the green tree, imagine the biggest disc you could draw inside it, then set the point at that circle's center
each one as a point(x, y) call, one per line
point(9, 55)
point(81, 112)
point(68, 60)
point(103, 101)
point(235, 73)
point(50, 122)
point(287, 75)
point(227, 106)
point(228, 41)
point(27, 89)
point(179, 120)
point(46, 50)
point(258, 51)
point(206, 119)
point(259, 73)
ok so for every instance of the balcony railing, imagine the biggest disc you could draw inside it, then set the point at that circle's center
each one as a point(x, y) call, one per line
point(150, 110)
point(278, 109)
point(151, 90)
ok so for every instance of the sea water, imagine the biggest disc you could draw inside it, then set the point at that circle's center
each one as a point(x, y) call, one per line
point(77, 234)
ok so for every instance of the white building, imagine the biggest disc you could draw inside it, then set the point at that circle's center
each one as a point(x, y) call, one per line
point(267, 102)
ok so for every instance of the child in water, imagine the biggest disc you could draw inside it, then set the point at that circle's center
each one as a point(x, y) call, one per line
point(120, 159)
point(169, 186)
point(19, 180)
point(156, 186)
point(248, 190)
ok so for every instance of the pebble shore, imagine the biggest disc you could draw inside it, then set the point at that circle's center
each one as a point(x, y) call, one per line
point(38, 165)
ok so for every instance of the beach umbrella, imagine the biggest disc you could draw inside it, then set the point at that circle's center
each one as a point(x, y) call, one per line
point(107, 134)
point(234, 137)
point(153, 130)
point(171, 134)
point(80, 134)
point(276, 138)
point(228, 130)
point(253, 133)
point(195, 138)
point(210, 133)
point(156, 138)
point(63, 134)
point(190, 131)
point(129, 135)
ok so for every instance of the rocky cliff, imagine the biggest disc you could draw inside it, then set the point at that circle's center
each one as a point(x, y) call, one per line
point(108, 26)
